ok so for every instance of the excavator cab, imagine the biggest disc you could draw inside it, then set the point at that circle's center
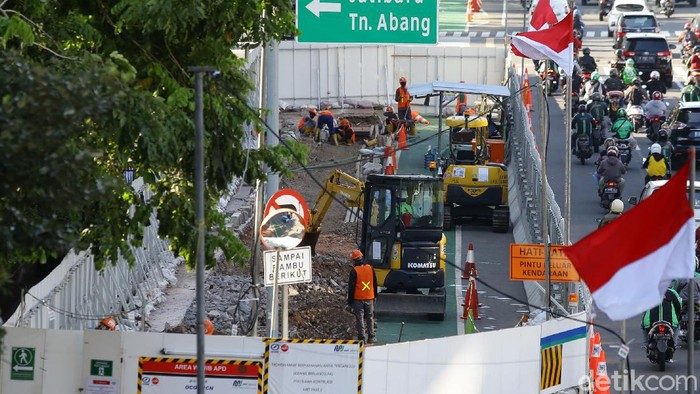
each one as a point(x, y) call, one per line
point(402, 239)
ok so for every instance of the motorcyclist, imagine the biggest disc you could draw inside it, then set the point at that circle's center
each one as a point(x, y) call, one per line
point(622, 128)
point(669, 310)
point(690, 92)
point(611, 169)
point(598, 110)
point(614, 82)
point(654, 84)
point(654, 107)
point(656, 165)
point(587, 62)
point(582, 124)
point(603, 155)
point(687, 36)
point(594, 86)
point(635, 94)
point(629, 73)
point(666, 146)
point(693, 63)
point(578, 21)
point(616, 208)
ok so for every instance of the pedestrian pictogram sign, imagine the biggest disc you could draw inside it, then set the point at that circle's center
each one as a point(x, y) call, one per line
point(368, 21)
point(22, 367)
point(527, 263)
point(288, 199)
point(101, 367)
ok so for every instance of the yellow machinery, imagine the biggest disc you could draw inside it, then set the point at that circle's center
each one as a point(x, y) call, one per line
point(401, 236)
point(475, 185)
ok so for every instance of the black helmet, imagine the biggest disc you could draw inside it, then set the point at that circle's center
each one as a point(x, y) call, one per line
point(696, 49)
point(637, 81)
point(582, 108)
point(619, 53)
point(663, 135)
point(613, 72)
point(596, 96)
point(586, 51)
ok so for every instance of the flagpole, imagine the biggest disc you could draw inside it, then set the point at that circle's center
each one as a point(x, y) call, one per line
point(522, 59)
point(691, 283)
point(543, 197)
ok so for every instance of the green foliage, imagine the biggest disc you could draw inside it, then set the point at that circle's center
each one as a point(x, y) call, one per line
point(94, 87)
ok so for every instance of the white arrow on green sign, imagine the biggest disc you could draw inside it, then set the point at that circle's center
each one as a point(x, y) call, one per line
point(368, 21)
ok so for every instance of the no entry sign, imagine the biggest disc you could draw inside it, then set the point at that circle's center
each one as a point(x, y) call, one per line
point(290, 199)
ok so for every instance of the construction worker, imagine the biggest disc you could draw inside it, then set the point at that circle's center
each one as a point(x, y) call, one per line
point(307, 123)
point(107, 324)
point(403, 98)
point(362, 291)
point(461, 104)
point(326, 118)
point(347, 134)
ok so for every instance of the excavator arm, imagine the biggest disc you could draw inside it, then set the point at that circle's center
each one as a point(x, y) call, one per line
point(340, 185)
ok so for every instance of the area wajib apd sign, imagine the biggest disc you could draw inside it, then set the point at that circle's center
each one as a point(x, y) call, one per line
point(368, 21)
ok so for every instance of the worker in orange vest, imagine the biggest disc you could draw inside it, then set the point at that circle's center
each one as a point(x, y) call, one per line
point(403, 98)
point(362, 291)
point(347, 134)
point(461, 103)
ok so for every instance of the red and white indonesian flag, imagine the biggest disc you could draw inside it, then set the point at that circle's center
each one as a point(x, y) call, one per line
point(545, 13)
point(555, 43)
point(628, 263)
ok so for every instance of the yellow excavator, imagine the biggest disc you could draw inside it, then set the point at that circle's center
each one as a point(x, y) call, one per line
point(401, 236)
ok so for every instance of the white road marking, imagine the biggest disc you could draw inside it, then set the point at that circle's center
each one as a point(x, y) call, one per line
point(472, 34)
point(500, 34)
point(485, 34)
point(590, 34)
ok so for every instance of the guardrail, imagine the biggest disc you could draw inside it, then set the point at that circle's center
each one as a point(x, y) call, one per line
point(525, 184)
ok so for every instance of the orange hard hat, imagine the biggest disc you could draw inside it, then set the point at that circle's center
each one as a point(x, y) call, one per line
point(312, 111)
point(344, 122)
point(390, 109)
point(356, 254)
point(402, 79)
point(109, 322)
point(208, 327)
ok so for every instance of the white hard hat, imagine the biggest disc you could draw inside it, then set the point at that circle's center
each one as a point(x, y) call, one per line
point(617, 206)
point(655, 148)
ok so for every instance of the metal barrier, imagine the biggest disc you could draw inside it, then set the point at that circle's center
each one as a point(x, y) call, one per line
point(75, 295)
point(525, 178)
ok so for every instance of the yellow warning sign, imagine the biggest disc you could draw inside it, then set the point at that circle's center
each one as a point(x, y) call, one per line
point(527, 263)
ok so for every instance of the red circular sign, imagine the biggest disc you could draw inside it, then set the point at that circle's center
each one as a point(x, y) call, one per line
point(290, 199)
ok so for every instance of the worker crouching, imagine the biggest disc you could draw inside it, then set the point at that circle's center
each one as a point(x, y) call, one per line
point(362, 290)
point(345, 133)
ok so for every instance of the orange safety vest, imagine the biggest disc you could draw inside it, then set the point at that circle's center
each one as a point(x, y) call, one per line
point(461, 100)
point(364, 287)
point(404, 97)
point(325, 112)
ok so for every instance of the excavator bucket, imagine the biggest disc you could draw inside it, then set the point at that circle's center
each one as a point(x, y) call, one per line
point(432, 304)
point(310, 239)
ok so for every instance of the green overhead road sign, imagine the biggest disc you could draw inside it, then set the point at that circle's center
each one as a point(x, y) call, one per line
point(22, 367)
point(368, 21)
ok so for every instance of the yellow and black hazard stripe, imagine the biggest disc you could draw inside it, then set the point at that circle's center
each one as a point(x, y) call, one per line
point(246, 363)
point(269, 341)
point(550, 368)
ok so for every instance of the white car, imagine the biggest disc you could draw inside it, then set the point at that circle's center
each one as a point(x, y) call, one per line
point(622, 6)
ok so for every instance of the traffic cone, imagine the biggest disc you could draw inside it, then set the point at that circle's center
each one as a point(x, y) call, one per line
point(389, 170)
point(471, 303)
point(470, 12)
point(403, 143)
point(601, 383)
point(527, 93)
point(469, 264)
point(469, 326)
point(596, 349)
point(418, 118)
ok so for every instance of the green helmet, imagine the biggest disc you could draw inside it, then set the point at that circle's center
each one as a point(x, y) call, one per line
point(621, 113)
point(629, 62)
point(595, 76)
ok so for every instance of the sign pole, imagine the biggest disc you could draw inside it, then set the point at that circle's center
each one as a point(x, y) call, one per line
point(272, 329)
point(691, 283)
point(285, 311)
point(545, 208)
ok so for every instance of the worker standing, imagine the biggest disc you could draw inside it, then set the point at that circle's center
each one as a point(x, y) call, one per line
point(403, 98)
point(362, 290)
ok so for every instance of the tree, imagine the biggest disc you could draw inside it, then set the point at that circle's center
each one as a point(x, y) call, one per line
point(94, 87)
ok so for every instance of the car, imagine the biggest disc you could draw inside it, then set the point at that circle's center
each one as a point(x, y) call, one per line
point(684, 130)
point(622, 6)
point(635, 22)
point(653, 186)
point(650, 52)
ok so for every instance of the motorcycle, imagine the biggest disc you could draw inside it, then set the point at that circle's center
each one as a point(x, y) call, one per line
point(583, 148)
point(635, 114)
point(605, 6)
point(597, 135)
point(667, 8)
point(660, 347)
point(686, 51)
point(615, 98)
point(683, 326)
point(655, 123)
point(610, 192)
point(624, 149)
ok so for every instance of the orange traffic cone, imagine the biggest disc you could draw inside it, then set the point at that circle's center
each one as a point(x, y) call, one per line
point(596, 349)
point(601, 383)
point(418, 118)
point(471, 303)
point(403, 143)
point(476, 5)
point(470, 11)
point(389, 170)
point(527, 94)
point(469, 264)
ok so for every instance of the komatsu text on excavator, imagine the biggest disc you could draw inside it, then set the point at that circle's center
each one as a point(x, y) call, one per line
point(401, 236)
